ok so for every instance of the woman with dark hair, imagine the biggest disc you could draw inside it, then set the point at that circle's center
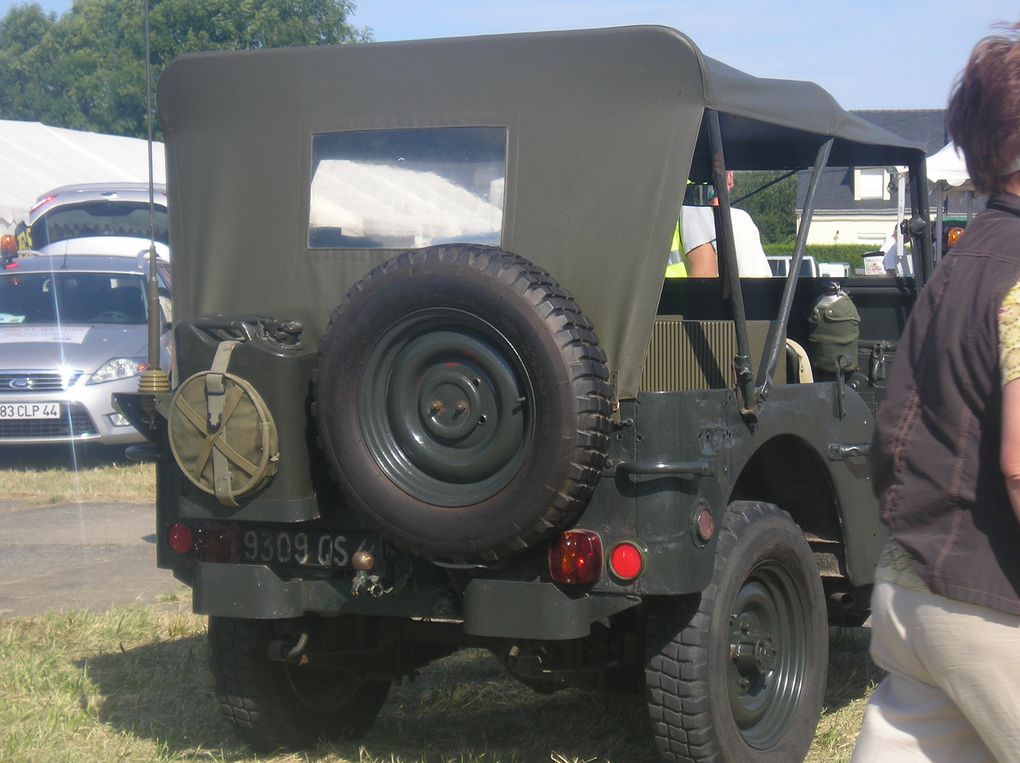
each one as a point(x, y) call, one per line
point(946, 462)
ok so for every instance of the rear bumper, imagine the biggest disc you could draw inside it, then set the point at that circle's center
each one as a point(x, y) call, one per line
point(256, 591)
point(517, 609)
point(491, 608)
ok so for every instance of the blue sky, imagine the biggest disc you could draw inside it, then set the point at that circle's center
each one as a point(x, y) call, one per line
point(869, 53)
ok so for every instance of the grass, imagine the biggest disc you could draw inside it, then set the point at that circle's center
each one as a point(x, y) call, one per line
point(133, 684)
point(50, 475)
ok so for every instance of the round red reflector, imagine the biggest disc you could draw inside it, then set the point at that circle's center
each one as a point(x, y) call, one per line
point(180, 539)
point(626, 561)
point(706, 525)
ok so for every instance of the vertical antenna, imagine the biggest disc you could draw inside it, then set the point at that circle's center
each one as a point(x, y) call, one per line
point(153, 380)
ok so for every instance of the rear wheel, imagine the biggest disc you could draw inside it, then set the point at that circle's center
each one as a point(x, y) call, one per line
point(278, 705)
point(739, 672)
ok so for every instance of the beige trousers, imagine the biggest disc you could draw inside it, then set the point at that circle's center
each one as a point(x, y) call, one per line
point(953, 690)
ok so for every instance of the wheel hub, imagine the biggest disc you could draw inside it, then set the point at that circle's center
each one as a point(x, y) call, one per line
point(446, 400)
point(752, 650)
point(450, 402)
point(767, 645)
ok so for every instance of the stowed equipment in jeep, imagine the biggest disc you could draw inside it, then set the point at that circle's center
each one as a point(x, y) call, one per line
point(431, 390)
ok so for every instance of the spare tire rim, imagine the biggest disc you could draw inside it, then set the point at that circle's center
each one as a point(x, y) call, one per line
point(445, 407)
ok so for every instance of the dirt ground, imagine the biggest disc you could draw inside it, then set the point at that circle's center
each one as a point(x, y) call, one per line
point(78, 556)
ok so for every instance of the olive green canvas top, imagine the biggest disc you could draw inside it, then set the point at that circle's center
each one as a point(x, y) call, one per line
point(601, 130)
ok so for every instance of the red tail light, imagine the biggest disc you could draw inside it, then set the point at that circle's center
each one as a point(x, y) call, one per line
point(210, 541)
point(44, 200)
point(216, 543)
point(180, 539)
point(575, 557)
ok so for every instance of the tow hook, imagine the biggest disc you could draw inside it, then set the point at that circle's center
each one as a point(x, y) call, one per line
point(363, 562)
point(284, 651)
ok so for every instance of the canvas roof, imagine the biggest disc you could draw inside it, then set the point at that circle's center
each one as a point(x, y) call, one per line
point(604, 129)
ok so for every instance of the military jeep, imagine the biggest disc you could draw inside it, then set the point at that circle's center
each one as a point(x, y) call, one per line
point(431, 389)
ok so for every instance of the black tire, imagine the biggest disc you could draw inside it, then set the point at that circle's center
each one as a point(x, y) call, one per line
point(738, 674)
point(274, 705)
point(462, 402)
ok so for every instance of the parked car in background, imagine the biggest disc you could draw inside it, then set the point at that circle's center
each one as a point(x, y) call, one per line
point(97, 218)
point(781, 266)
point(72, 332)
point(834, 269)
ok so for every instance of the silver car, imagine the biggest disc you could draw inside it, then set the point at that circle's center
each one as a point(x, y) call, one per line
point(72, 332)
point(98, 218)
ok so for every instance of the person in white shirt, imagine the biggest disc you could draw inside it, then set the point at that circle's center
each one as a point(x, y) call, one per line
point(897, 260)
point(697, 226)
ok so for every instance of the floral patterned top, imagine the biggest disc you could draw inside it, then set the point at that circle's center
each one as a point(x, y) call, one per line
point(894, 565)
point(1009, 335)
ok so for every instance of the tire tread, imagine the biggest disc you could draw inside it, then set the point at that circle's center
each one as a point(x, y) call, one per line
point(677, 669)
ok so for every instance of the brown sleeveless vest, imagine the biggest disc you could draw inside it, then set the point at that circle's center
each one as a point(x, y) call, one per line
point(935, 458)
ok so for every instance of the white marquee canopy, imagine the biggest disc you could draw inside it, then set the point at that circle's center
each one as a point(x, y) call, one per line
point(35, 158)
point(948, 166)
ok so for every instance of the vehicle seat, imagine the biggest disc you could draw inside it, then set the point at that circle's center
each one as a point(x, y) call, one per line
point(802, 365)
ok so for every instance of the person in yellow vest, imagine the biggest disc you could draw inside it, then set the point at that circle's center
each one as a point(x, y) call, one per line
point(696, 224)
point(693, 254)
point(676, 267)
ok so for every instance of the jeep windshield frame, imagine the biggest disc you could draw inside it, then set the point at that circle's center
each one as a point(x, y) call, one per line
point(604, 128)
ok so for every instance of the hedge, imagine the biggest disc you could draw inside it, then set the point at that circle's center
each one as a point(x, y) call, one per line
point(849, 253)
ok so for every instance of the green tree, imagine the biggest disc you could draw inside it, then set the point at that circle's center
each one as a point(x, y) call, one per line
point(21, 30)
point(774, 208)
point(86, 69)
point(24, 27)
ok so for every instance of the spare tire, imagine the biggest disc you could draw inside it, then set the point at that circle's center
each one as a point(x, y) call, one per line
point(462, 402)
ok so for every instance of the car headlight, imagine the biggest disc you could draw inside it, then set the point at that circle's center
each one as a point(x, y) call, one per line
point(118, 368)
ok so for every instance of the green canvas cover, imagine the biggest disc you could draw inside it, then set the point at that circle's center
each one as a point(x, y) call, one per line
point(603, 127)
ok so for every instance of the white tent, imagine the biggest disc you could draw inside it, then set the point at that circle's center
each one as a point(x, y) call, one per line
point(948, 166)
point(35, 158)
point(947, 169)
